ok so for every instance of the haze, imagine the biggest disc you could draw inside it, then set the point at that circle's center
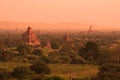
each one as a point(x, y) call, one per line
point(100, 12)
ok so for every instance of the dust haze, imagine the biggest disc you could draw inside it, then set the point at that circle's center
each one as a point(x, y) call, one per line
point(63, 26)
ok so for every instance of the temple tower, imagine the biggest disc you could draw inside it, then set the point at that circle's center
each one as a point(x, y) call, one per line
point(66, 38)
point(30, 38)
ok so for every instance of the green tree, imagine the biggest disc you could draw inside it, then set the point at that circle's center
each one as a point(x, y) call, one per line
point(37, 52)
point(77, 60)
point(54, 45)
point(4, 74)
point(110, 70)
point(6, 54)
point(68, 49)
point(90, 51)
point(21, 72)
point(24, 49)
point(40, 68)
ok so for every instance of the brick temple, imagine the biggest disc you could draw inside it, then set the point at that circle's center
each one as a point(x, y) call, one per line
point(66, 37)
point(30, 38)
point(48, 44)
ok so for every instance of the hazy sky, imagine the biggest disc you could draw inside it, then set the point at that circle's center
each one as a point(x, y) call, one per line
point(86, 11)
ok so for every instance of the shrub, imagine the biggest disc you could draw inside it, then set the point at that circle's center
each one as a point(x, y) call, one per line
point(38, 77)
point(40, 68)
point(65, 59)
point(21, 72)
point(54, 57)
point(4, 74)
point(109, 72)
point(77, 60)
point(24, 49)
point(32, 58)
point(55, 45)
point(6, 55)
point(37, 52)
point(90, 51)
point(44, 58)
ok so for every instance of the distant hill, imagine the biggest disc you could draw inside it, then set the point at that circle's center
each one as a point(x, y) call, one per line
point(66, 26)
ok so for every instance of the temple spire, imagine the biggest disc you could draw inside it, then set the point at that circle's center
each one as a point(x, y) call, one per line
point(30, 38)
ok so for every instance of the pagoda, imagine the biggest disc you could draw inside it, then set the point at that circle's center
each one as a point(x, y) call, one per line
point(30, 38)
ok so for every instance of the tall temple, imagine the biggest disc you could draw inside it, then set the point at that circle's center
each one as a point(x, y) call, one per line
point(30, 38)
point(90, 29)
point(48, 44)
point(66, 38)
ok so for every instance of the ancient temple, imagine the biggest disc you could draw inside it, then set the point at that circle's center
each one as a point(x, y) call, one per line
point(66, 38)
point(90, 29)
point(48, 44)
point(30, 38)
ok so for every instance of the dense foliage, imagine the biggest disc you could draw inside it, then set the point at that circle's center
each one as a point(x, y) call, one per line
point(90, 51)
point(97, 47)
point(21, 72)
point(24, 49)
point(40, 68)
point(4, 74)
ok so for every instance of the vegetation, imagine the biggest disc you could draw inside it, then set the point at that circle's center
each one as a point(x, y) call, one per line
point(110, 70)
point(86, 57)
point(40, 68)
point(37, 52)
point(4, 74)
point(6, 55)
point(24, 49)
point(21, 72)
point(90, 51)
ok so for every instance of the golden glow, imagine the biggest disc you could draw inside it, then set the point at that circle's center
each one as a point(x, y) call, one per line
point(101, 12)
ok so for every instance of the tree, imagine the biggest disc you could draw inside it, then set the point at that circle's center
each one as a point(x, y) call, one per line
point(55, 45)
point(90, 51)
point(65, 58)
point(77, 60)
point(6, 55)
point(68, 49)
point(37, 52)
point(4, 74)
point(40, 68)
point(110, 70)
point(24, 49)
point(21, 72)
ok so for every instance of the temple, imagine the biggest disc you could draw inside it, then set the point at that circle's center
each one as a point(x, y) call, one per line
point(30, 38)
point(66, 38)
point(48, 44)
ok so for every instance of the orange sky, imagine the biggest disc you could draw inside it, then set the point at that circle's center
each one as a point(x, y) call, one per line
point(101, 12)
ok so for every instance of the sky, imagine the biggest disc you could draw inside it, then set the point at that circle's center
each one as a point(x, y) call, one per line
point(101, 12)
